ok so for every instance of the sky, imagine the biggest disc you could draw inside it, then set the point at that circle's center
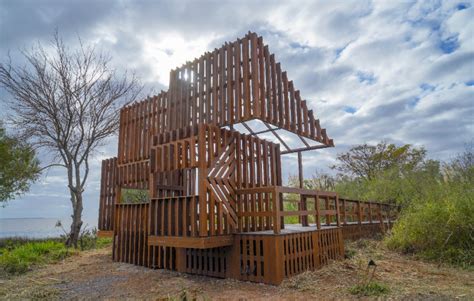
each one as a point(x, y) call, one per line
point(400, 71)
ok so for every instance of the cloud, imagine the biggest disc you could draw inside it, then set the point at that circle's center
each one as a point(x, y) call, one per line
point(371, 70)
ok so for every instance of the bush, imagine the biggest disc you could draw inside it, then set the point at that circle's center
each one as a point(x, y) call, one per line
point(439, 226)
point(437, 201)
point(22, 257)
point(369, 289)
point(18, 255)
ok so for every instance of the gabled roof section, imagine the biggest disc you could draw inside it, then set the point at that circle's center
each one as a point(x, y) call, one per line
point(237, 83)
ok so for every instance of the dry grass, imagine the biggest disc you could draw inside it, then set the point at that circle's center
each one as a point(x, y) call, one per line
point(93, 275)
point(404, 276)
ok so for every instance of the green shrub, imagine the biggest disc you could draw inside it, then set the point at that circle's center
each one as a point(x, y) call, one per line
point(439, 226)
point(369, 289)
point(18, 255)
point(13, 242)
point(103, 242)
point(21, 258)
point(134, 196)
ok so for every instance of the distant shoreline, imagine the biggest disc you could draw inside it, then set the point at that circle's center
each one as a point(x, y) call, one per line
point(3, 218)
point(37, 227)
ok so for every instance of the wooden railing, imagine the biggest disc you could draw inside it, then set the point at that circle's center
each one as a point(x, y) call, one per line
point(174, 216)
point(325, 206)
point(355, 211)
point(263, 208)
point(181, 216)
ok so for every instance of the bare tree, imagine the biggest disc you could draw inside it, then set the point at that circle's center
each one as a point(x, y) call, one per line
point(67, 102)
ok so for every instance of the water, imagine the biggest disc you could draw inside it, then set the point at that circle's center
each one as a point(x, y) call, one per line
point(36, 227)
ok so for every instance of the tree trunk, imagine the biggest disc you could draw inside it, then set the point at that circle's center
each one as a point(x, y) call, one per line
point(76, 221)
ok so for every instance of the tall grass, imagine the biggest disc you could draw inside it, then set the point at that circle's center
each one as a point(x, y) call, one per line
point(19, 255)
point(22, 257)
point(439, 226)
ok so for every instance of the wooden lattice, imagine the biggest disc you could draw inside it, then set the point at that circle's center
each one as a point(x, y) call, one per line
point(216, 203)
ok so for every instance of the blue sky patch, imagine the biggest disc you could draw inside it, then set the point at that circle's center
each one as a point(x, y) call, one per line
point(462, 6)
point(349, 109)
point(449, 45)
point(427, 87)
point(340, 50)
point(470, 82)
point(413, 102)
point(297, 45)
point(366, 77)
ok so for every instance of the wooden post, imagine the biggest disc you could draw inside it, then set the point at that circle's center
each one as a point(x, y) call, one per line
point(233, 259)
point(318, 215)
point(359, 212)
point(181, 260)
point(344, 217)
point(302, 206)
point(326, 203)
point(275, 259)
point(370, 212)
point(382, 225)
point(202, 181)
point(276, 211)
point(359, 216)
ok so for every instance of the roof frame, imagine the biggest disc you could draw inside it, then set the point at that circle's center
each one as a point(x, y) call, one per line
point(288, 149)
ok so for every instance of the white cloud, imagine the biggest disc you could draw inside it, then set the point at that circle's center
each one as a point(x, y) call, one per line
point(393, 70)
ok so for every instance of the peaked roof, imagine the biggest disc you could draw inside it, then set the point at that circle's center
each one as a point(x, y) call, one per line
point(239, 82)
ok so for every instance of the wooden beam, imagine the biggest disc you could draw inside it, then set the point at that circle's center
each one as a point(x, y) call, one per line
point(303, 149)
point(191, 242)
point(105, 233)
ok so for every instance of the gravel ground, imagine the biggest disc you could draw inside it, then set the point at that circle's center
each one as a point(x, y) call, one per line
point(92, 275)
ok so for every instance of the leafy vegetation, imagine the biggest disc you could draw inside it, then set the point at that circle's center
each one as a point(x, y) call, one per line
point(21, 258)
point(370, 289)
point(436, 221)
point(19, 166)
point(134, 196)
point(439, 223)
point(19, 255)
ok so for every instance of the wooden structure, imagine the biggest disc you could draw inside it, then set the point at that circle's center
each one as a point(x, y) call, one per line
point(216, 201)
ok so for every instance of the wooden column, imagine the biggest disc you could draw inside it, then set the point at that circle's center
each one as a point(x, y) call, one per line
point(326, 207)
point(275, 260)
point(359, 216)
point(318, 216)
point(344, 217)
point(181, 260)
point(382, 225)
point(276, 212)
point(338, 213)
point(233, 259)
point(302, 206)
point(202, 182)
point(359, 212)
point(370, 212)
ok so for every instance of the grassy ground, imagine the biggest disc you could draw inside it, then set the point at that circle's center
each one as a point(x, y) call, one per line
point(93, 275)
point(19, 255)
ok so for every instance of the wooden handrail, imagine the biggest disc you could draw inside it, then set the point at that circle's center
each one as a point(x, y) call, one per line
point(376, 210)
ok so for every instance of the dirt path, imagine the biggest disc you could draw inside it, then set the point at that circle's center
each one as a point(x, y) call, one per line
point(93, 275)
